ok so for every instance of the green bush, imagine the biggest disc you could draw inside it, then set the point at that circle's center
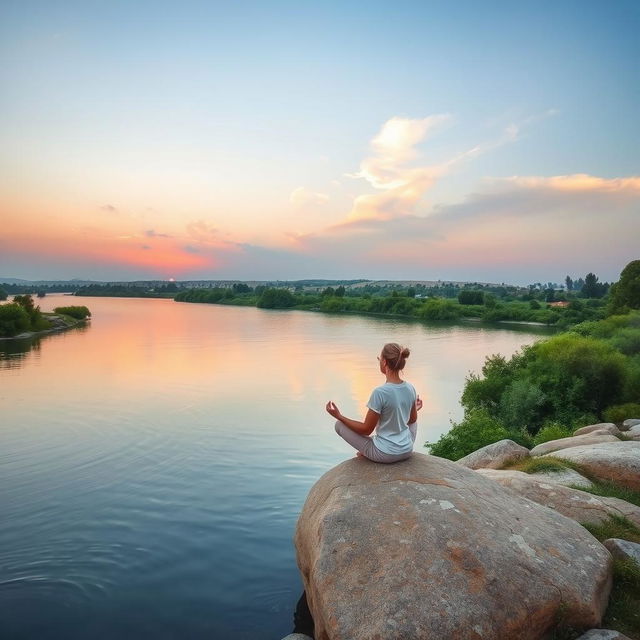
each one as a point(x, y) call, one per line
point(276, 299)
point(438, 309)
point(577, 375)
point(521, 404)
point(477, 430)
point(14, 319)
point(552, 431)
point(621, 412)
point(78, 312)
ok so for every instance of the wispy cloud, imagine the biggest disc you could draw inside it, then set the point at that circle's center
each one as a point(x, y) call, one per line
point(109, 208)
point(152, 233)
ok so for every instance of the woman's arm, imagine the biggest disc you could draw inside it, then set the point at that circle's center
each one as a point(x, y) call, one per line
point(363, 428)
point(413, 416)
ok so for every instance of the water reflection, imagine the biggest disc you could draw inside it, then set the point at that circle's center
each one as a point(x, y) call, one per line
point(14, 352)
point(153, 465)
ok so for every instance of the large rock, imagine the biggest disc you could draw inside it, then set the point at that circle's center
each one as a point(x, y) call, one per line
point(608, 427)
point(633, 432)
point(630, 422)
point(427, 548)
point(617, 462)
point(623, 549)
point(566, 477)
point(495, 456)
point(594, 437)
point(603, 634)
point(578, 505)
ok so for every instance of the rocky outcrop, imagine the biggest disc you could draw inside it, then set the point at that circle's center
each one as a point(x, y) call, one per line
point(427, 548)
point(566, 477)
point(633, 432)
point(578, 505)
point(623, 549)
point(594, 437)
point(631, 422)
point(602, 426)
point(495, 456)
point(617, 462)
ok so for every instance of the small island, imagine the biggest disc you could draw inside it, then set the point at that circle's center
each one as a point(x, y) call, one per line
point(21, 318)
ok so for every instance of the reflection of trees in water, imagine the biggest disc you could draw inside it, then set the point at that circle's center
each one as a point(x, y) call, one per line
point(13, 353)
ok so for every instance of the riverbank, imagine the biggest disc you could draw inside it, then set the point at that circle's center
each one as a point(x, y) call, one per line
point(61, 323)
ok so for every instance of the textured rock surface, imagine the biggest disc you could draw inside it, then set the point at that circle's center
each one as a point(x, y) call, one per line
point(567, 478)
point(631, 422)
point(573, 503)
point(495, 456)
point(617, 462)
point(427, 548)
point(297, 636)
point(594, 437)
point(623, 549)
point(633, 432)
point(601, 426)
point(603, 634)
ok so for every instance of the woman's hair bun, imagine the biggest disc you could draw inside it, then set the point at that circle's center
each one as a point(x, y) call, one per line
point(405, 352)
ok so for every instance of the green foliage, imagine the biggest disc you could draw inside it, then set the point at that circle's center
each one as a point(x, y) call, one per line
point(477, 430)
point(552, 431)
point(534, 304)
point(276, 299)
point(623, 613)
point(625, 294)
point(614, 527)
point(332, 305)
point(540, 465)
point(577, 375)
point(471, 297)
point(77, 312)
point(611, 490)
point(438, 309)
point(3, 294)
point(626, 341)
point(621, 412)
point(14, 319)
point(521, 404)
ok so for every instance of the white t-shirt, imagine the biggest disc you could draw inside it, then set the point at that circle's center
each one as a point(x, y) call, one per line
point(394, 403)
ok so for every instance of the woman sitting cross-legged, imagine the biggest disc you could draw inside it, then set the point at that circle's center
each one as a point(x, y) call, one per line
point(393, 413)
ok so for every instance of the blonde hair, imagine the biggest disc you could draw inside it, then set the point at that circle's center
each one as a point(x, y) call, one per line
point(395, 355)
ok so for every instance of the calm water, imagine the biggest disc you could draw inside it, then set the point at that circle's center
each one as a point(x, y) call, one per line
point(153, 465)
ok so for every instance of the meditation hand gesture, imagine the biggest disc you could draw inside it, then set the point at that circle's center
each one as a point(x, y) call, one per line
point(418, 403)
point(332, 410)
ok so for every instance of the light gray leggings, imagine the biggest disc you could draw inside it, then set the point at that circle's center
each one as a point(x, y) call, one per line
point(364, 444)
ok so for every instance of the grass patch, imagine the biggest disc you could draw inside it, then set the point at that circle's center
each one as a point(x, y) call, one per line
point(623, 612)
point(611, 490)
point(615, 527)
point(542, 465)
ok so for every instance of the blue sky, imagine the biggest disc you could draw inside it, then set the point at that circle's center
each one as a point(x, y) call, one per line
point(240, 134)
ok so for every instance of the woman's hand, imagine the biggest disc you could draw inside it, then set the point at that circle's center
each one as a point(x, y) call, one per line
point(332, 410)
point(418, 403)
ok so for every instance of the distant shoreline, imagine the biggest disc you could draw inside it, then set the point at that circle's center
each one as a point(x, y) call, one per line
point(28, 335)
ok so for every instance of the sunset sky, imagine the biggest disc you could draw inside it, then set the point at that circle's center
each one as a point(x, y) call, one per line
point(493, 141)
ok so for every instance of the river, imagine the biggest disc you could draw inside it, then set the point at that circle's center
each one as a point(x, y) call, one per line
point(153, 464)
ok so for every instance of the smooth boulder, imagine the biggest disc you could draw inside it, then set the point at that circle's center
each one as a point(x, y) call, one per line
point(578, 505)
point(495, 456)
point(617, 462)
point(633, 432)
point(630, 422)
point(427, 548)
point(623, 549)
point(601, 426)
point(566, 477)
point(596, 437)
